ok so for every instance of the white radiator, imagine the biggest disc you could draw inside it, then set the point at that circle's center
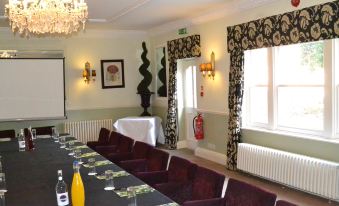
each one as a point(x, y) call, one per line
point(312, 175)
point(87, 130)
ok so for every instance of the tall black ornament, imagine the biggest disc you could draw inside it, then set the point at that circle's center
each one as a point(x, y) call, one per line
point(143, 90)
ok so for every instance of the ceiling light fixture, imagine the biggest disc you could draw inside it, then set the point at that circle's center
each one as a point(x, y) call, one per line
point(41, 17)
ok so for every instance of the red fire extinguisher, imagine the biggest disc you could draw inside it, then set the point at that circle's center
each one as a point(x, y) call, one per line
point(198, 127)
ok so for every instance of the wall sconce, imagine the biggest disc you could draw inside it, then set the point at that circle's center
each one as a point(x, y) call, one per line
point(86, 73)
point(208, 68)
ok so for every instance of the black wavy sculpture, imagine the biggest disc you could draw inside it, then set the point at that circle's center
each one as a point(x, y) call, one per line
point(162, 91)
point(143, 90)
point(143, 85)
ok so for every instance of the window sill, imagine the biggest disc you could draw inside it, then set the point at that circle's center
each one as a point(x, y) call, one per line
point(293, 134)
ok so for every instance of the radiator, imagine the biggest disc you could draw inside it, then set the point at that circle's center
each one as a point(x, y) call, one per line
point(87, 130)
point(311, 175)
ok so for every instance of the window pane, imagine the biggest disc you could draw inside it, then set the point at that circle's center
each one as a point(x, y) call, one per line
point(301, 107)
point(256, 67)
point(301, 64)
point(258, 105)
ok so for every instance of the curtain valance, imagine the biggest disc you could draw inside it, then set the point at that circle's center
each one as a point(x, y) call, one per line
point(309, 24)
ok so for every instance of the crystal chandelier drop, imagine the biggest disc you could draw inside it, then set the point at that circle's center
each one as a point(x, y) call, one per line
point(41, 17)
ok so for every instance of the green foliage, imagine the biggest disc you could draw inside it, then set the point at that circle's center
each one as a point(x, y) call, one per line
point(143, 85)
point(312, 55)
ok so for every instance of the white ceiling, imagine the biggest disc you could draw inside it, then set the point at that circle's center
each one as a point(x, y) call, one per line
point(149, 14)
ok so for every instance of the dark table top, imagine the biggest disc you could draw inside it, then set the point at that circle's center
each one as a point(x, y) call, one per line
point(31, 177)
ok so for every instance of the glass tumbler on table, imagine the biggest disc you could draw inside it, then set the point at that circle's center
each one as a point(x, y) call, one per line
point(71, 148)
point(91, 164)
point(3, 187)
point(77, 155)
point(33, 134)
point(62, 141)
point(109, 184)
point(131, 196)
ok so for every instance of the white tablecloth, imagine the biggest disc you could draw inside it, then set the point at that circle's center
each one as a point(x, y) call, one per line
point(144, 129)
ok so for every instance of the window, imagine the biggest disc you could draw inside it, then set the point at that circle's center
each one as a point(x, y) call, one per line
point(293, 88)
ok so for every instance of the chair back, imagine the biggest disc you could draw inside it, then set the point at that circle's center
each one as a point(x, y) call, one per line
point(103, 136)
point(207, 184)
point(157, 160)
point(284, 203)
point(180, 170)
point(7, 133)
point(240, 193)
point(141, 150)
point(125, 144)
point(114, 138)
point(43, 130)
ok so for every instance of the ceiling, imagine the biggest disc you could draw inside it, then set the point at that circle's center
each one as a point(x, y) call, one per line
point(149, 14)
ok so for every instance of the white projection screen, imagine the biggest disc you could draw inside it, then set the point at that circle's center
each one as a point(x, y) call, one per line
point(32, 89)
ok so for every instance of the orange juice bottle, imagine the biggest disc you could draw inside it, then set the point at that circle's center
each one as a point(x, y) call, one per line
point(78, 192)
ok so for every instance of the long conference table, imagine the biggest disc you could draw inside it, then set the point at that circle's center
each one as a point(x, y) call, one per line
point(31, 177)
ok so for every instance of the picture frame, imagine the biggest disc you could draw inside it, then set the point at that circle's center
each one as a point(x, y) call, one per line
point(112, 73)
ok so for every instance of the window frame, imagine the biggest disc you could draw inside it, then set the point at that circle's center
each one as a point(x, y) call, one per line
point(331, 97)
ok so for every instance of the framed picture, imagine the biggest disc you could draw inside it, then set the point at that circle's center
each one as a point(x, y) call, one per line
point(112, 73)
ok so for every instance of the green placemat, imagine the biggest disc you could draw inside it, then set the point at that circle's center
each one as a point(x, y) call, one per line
point(100, 163)
point(170, 204)
point(73, 140)
point(115, 174)
point(89, 154)
point(78, 147)
point(140, 189)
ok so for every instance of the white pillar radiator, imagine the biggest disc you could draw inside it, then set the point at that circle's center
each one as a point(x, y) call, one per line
point(87, 130)
point(311, 175)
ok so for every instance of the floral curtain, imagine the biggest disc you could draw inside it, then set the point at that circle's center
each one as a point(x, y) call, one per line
point(314, 23)
point(182, 48)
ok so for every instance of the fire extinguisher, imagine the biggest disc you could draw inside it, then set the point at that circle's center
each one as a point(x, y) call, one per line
point(198, 127)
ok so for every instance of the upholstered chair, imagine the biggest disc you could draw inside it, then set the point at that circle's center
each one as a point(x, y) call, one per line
point(180, 171)
point(43, 130)
point(140, 151)
point(206, 184)
point(239, 193)
point(284, 203)
point(114, 139)
point(102, 140)
point(125, 145)
point(156, 160)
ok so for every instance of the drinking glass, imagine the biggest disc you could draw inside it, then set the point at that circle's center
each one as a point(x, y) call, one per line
point(91, 164)
point(33, 133)
point(109, 185)
point(77, 155)
point(131, 196)
point(3, 187)
point(71, 148)
point(62, 141)
point(2, 199)
point(53, 132)
point(56, 138)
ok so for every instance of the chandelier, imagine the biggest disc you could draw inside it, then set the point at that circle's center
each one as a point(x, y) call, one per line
point(41, 17)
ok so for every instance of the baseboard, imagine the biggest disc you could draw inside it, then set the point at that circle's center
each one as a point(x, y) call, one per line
point(181, 144)
point(210, 155)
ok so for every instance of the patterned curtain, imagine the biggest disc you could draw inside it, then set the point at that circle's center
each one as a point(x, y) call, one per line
point(315, 23)
point(182, 48)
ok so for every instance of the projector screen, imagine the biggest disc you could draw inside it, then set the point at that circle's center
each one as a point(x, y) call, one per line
point(32, 89)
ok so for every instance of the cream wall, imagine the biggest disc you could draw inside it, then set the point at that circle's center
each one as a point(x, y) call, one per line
point(93, 46)
point(214, 103)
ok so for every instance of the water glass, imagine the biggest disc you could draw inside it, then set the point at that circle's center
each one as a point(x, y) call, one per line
point(131, 195)
point(62, 141)
point(33, 133)
point(53, 132)
point(77, 155)
point(91, 164)
point(71, 148)
point(56, 137)
point(2, 199)
point(109, 185)
point(3, 187)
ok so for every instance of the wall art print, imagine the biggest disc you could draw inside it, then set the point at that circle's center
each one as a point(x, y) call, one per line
point(112, 73)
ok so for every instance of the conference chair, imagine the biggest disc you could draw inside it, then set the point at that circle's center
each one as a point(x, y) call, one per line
point(43, 130)
point(284, 203)
point(156, 160)
point(124, 146)
point(111, 145)
point(102, 140)
point(180, 172)
point(140, 151)
point(7, 133)
point(206, 184)
point(239, 193)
